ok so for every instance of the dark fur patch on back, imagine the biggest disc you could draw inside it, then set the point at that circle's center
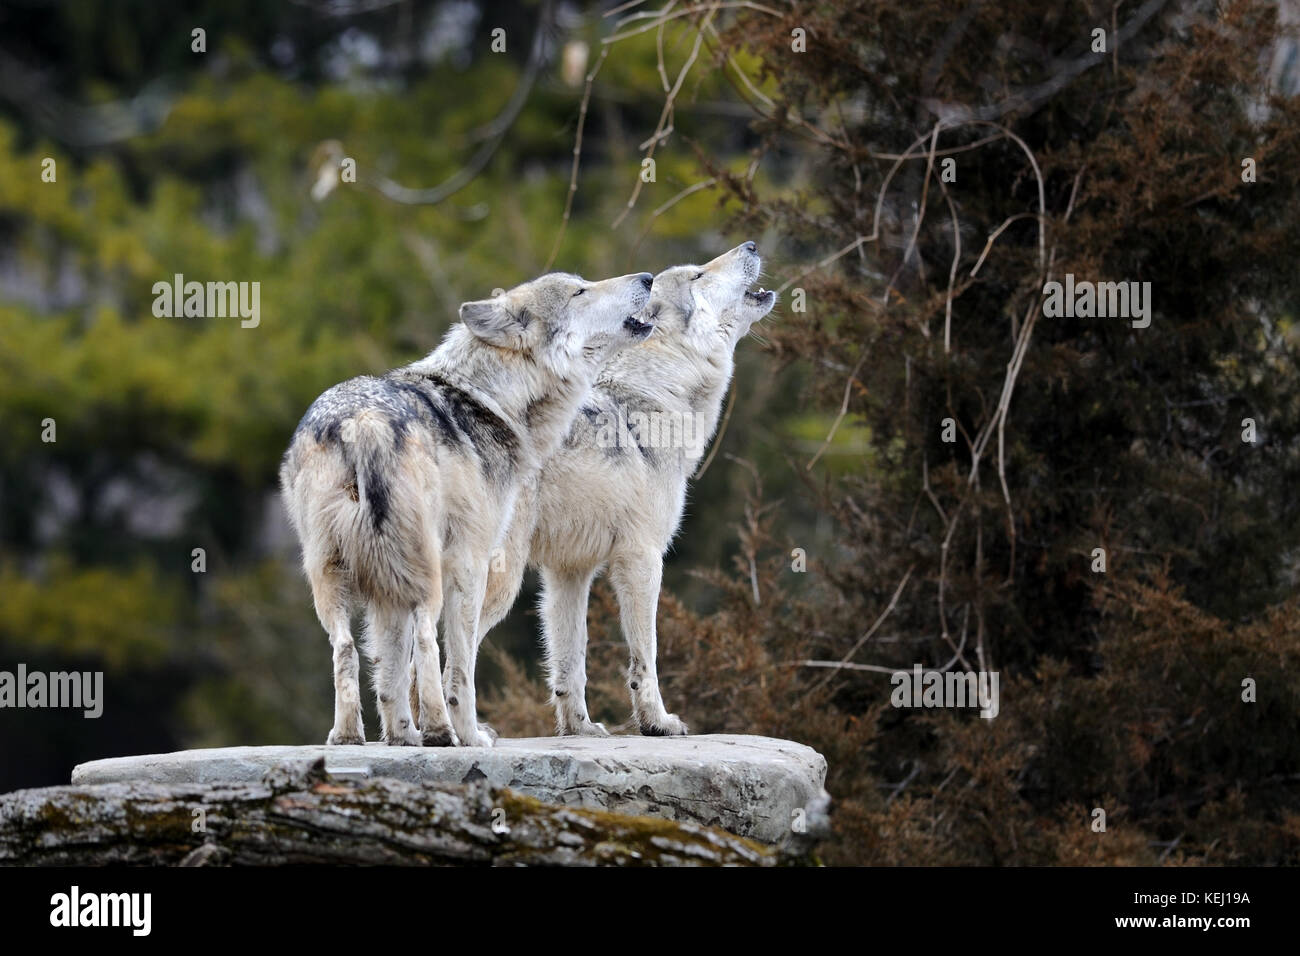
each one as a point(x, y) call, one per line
point(474, 420)
point(437, 415)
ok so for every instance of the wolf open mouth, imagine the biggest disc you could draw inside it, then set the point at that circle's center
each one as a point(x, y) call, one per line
point(637, 327)
point(760, 297)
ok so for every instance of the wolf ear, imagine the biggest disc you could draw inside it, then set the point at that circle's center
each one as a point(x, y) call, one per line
point(492, 322)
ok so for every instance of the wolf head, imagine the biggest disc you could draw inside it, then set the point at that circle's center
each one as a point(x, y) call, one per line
point(557, 318)
point(709, 308)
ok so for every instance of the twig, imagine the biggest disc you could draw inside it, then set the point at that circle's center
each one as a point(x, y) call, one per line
point(615, 11)
point(925, 487)
point(649, 146)
point(687, 11)
point(459, 180)
point(844, 409)
point(952, 270)
point(1031, 98)
point(893, 602)
point(920, 218)
point(949, 151)
point(688, 191)
point(916, 768)
point(717, 439)
point(840, 665)
point(659, 50)
point(577, 156)
point(790, 113)
point(993, 238)
point(825, 262)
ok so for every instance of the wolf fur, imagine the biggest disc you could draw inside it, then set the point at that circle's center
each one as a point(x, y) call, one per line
point(612, 496)
point(400, 486)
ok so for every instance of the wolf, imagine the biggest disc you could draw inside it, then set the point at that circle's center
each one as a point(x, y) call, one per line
point(611, 497)
point(399, 487)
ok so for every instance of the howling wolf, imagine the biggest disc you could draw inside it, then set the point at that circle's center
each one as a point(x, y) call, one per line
point(400, 486)
point(612, 496)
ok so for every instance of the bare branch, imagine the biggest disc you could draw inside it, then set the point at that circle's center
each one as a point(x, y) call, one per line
point(893, 602)
point(717, 439)
point(577, 157)
point(1031, 98)
point(844, 409)
point(497, 129)
point(660, 16)
point(649, 146)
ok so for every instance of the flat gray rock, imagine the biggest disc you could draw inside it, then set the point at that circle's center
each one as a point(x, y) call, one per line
point(752, 786)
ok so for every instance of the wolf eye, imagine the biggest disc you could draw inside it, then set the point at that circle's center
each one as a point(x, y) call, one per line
point(698, 275)
point(579, 292)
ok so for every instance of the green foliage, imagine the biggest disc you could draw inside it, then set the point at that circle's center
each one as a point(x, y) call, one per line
point(1120, 691)
point(170, 430)
point(119, 616)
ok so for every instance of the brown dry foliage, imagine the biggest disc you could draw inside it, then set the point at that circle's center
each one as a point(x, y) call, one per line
point(1120, 690)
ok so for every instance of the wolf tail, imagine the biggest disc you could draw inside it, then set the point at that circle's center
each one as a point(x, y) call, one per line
point(386, 539)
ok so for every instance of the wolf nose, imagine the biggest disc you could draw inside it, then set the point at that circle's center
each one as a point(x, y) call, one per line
point(647, 279)
point(750, 246)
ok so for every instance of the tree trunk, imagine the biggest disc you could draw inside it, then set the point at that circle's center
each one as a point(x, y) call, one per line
point(303, 816)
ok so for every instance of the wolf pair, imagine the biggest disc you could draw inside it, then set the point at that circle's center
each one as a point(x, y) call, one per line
point(549, 428)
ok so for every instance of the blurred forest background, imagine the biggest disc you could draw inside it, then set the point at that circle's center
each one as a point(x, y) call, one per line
point(911, 294)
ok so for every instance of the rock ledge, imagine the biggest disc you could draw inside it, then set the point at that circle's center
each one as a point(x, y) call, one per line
point(751, 786)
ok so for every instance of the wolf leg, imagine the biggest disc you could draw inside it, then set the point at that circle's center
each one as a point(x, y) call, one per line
point(466, 582)
point(435, 722)
point(505, 575)
point(389, 639)
point(636, 580)
point(508, 561)
point(415, 680)
point(330, 595)
point(564, 633)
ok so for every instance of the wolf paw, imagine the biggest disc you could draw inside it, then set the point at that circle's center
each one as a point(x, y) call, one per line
point(338, 738)
point(407, 738)
point(476, 739)
point(489, 730)
point(442, 737)
point(584, 728)
point(669, 725)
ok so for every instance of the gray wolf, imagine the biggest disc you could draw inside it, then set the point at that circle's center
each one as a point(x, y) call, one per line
point(400, 486)
point(611, 497)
